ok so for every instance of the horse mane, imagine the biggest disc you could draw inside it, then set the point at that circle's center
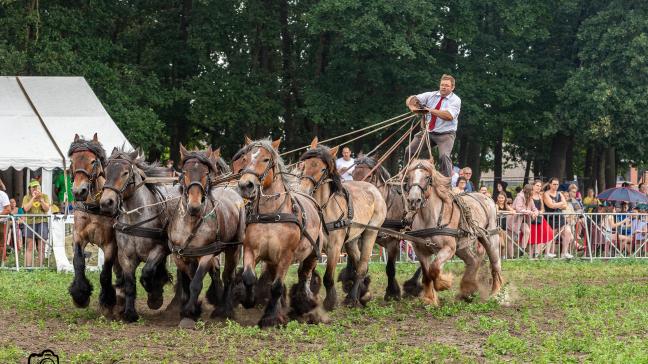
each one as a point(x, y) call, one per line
point(266, 144)
point(150, 169)
point(88, 145)
point(440, 182)
point(219, 165)
point(381, 172)
point(323, 153)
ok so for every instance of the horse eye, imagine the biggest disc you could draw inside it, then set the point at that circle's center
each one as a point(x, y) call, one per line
point(125, 174)
point(266, 160)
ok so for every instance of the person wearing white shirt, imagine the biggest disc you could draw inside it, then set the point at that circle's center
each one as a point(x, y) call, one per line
point(345, 165)
point(5, 206)
point(441, 109)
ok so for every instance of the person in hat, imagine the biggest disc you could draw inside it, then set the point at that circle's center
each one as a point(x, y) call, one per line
point(36, 203)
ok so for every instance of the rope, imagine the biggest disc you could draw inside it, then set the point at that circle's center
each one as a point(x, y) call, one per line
point(401, 117)
point(385, 140)
point(389, 151)
point(150, 205)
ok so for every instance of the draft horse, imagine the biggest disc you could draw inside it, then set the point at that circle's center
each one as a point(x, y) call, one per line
point(209, 219)
point(88, 160)
point(141, 236)
point(282, 226)
point(365, 169)
point(343, 205)
point(451, 223)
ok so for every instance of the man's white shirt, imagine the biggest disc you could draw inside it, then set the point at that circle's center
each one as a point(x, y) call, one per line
point(341, 163)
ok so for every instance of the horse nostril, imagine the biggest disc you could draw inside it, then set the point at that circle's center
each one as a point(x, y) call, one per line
point(83, 191)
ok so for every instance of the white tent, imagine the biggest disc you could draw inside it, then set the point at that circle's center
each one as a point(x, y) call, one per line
point(40, 115)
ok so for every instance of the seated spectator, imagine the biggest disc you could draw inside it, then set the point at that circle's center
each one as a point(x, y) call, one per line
point(461, 185)
point(484, 191)
point(345, 164)
point(467, 173)
point(590, 202)
point(36, 203)
point(643, 188)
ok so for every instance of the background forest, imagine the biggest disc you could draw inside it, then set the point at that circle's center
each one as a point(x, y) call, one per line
point(558, 85)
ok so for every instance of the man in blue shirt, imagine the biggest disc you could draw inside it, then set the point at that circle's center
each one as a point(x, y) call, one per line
point(441, 109)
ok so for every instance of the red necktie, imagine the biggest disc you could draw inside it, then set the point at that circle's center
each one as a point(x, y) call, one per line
point(433, 118)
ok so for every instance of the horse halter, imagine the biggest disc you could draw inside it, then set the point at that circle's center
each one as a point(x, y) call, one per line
point(267, 170)
point(131, 179)
point(316, 183)
point(424, 188)
point(204, 190)
point(93, 175)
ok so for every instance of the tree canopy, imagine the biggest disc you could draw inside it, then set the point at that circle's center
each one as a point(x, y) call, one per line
point(559, 84)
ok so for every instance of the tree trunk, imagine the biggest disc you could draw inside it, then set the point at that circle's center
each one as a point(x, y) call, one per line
point(588, 172)
point(600, 175)
point(473, 160)
point(498, 151)
point(610, 167)
point(557, 156)
point(527, 172)
point(569, 161)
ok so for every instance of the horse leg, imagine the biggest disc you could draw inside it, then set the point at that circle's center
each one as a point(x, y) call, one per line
point(155, 276)
point(263, 284)
point(119, 285)
point(176, 301)
point(302, 299)
point(249, 276)
point(273, 314)
point(348, 274)
point(468, 284)
point(191, 310)
point(491, 244)
point(412, 287)
point(130, 287)
point(214, 293)
point(80, 289)
point(333, 255)
point(226, 305)
point(442, 281)
point(393, 291)
point(428, 294)
point(107, 296)
point(360, 294)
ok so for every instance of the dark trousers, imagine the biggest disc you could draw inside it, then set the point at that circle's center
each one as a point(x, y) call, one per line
point(444, 141)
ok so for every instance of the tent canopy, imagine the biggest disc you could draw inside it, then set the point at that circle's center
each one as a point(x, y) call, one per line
point(66, 106)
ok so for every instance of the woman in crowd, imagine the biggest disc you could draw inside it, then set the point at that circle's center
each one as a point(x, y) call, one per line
point(461, 185)
point(555, 203)
point(36, 203)
point(503, 210)
point(500, 187)
point(575, 206)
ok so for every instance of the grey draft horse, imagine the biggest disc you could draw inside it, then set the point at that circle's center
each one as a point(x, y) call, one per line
point(141, 236)
point(209, 219)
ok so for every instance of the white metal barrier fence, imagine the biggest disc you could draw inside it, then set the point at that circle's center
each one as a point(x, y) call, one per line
point(31, 241)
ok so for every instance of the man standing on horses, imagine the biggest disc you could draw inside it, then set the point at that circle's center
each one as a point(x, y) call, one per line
point(442, 110)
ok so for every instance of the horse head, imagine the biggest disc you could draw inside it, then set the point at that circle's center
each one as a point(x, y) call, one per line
point(87, 158)
point(198, 169)
point(256, 162)
point(421, 178)
point(318, 167)
point(122, 176)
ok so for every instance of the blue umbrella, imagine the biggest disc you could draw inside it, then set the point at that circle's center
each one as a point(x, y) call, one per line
point(623, 194)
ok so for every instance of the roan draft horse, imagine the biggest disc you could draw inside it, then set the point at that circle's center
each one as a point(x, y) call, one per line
point(209, 219)
point(88, 159)
point(283, 226)
point(141, 236)
point(344, 205)
point(451, 223)
point(365, 169)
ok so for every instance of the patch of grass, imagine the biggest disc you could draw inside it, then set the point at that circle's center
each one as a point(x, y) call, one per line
point(11, 353)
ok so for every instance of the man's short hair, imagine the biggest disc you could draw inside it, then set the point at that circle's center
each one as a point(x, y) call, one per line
point(448, 77)
point(467, 169)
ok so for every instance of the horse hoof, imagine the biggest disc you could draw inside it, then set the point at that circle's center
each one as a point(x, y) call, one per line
point(130, 316)
point(220, 312)
point(272, 321)
point(431, 301)
point(352, 303)
point(155, 302)
point(365, 299)
point(330, 303)
point(187, 323)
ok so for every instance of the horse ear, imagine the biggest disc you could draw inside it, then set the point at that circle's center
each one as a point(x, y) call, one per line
point(115, 150)
point(134, 154)
point(216, 154)
point(94, 138)
point(248, 141)
point(183, 151)
point(275, 144)
point(313, 144)
point(208, 152)
point(334, 151)
point(76, 137)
